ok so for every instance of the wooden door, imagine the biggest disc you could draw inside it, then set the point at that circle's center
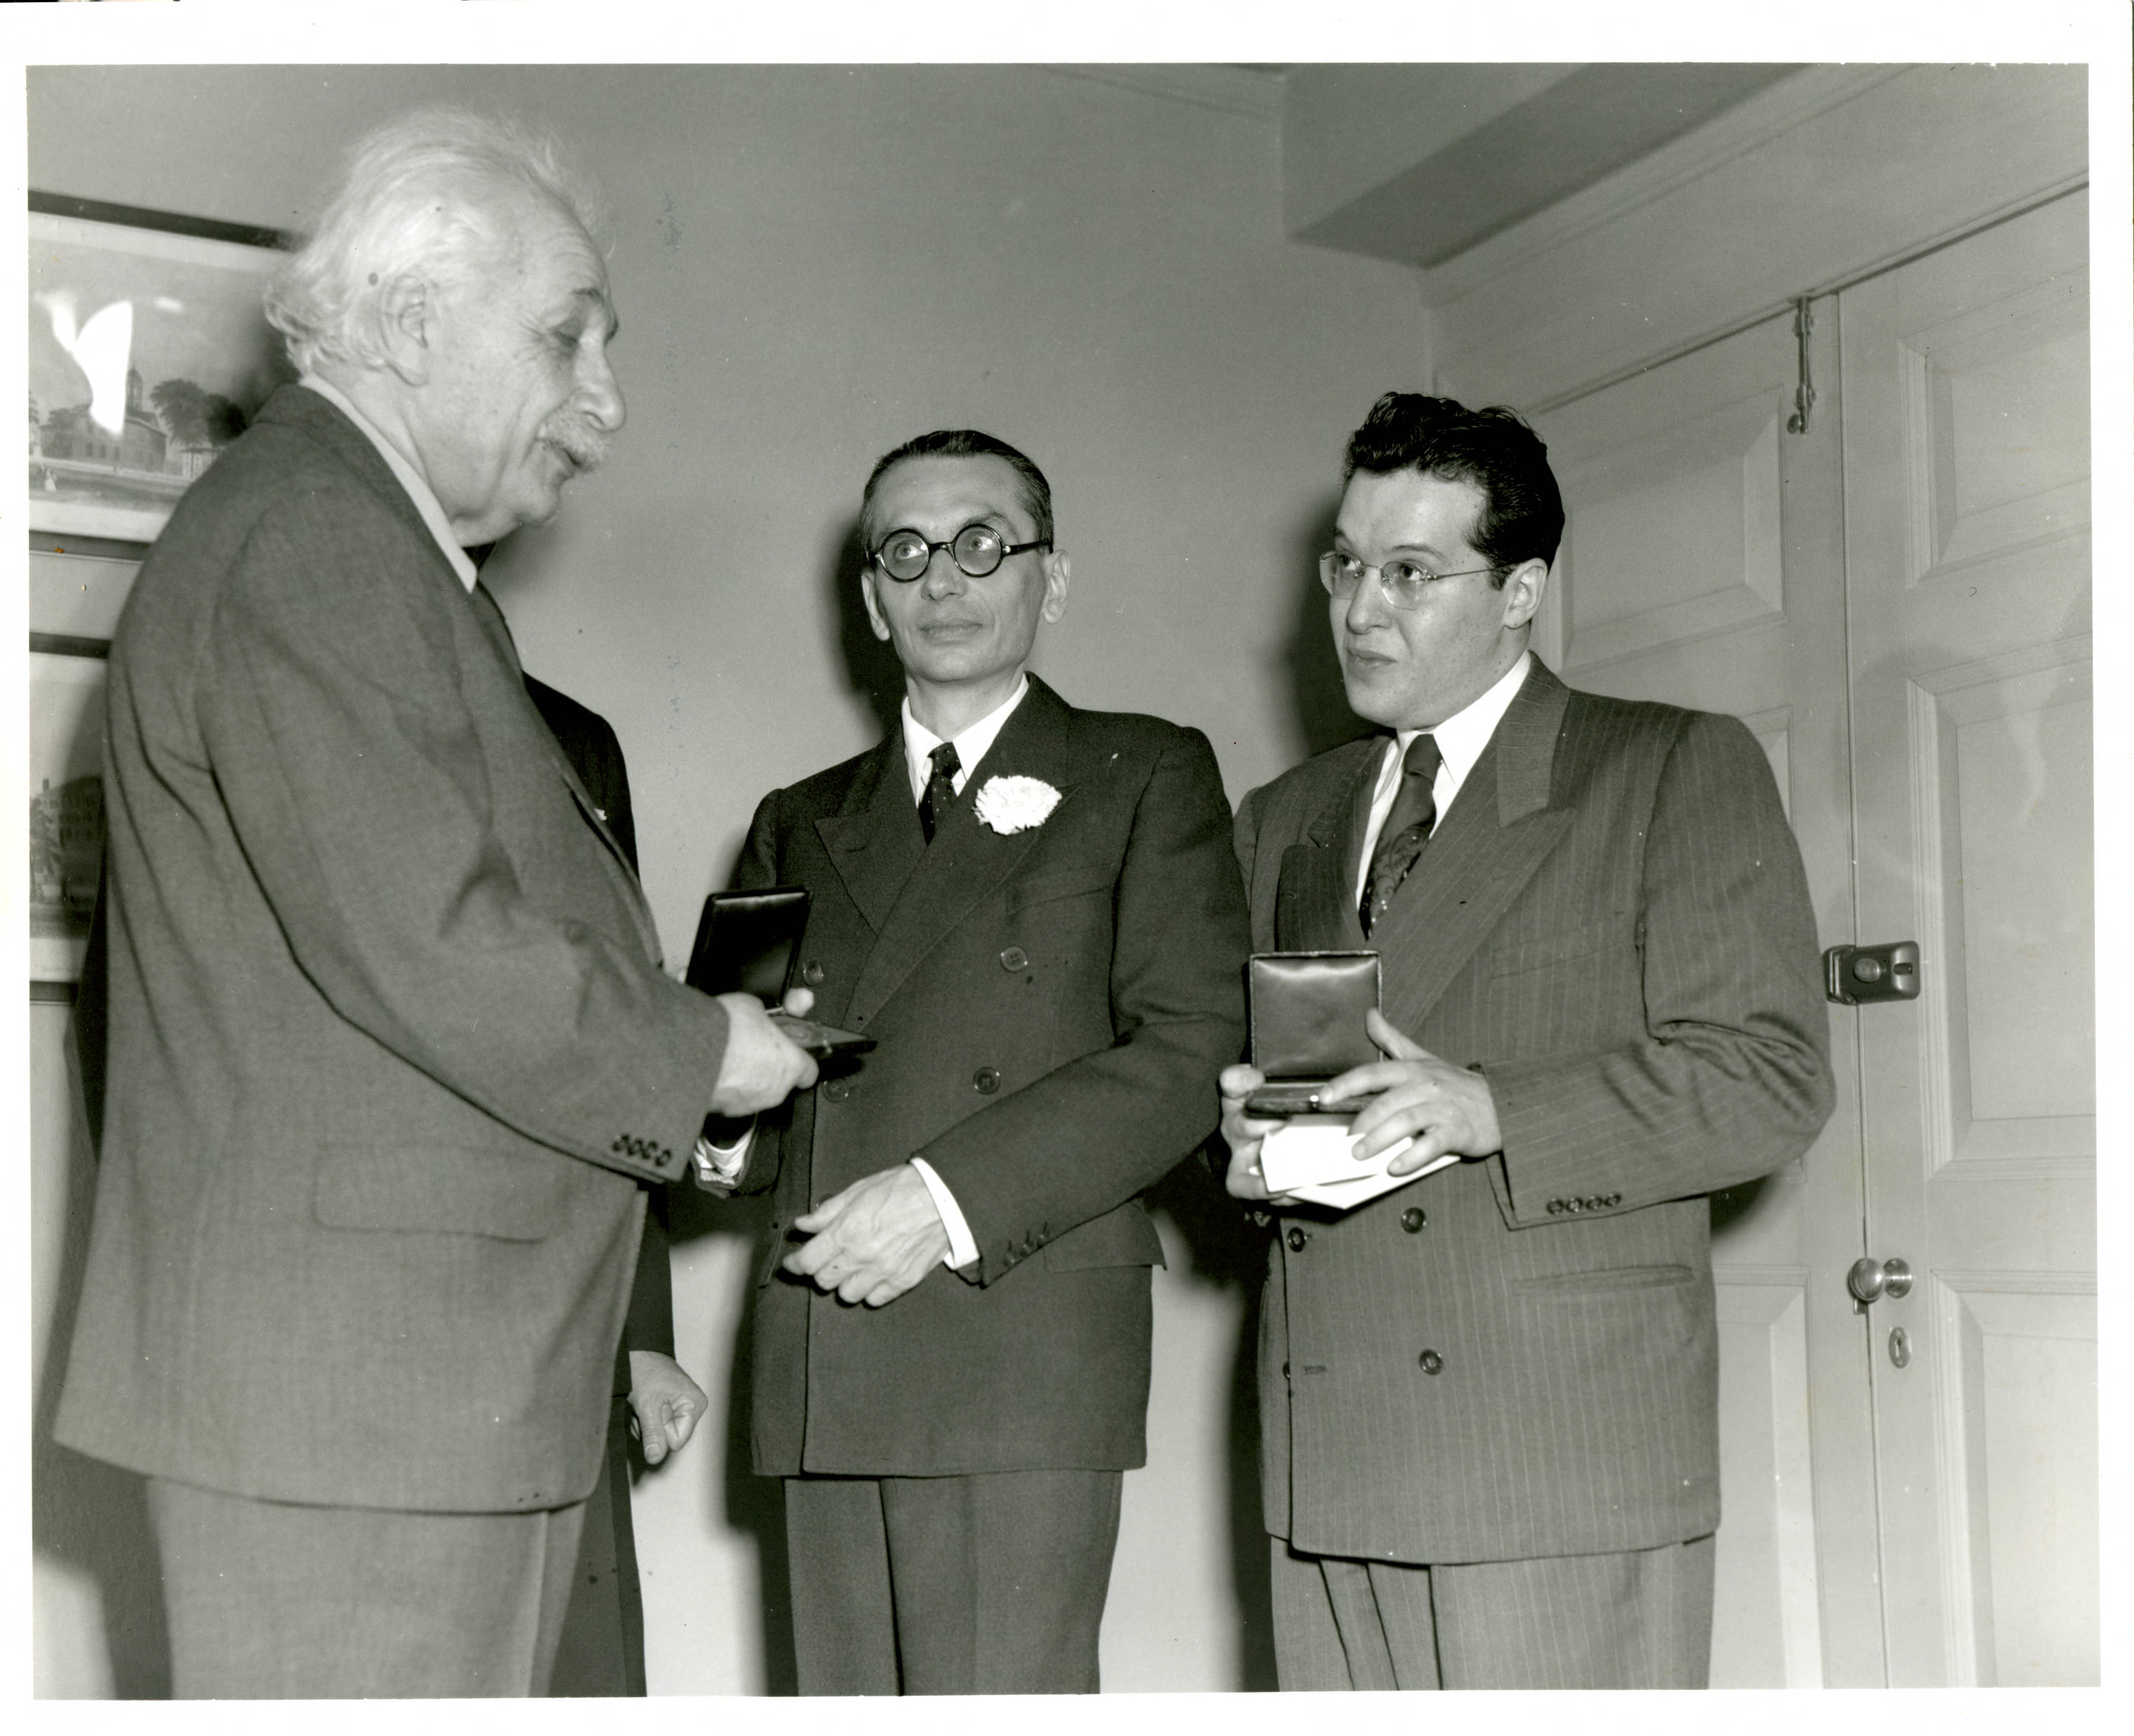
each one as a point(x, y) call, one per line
point(1703, 563)
point(1966, 486)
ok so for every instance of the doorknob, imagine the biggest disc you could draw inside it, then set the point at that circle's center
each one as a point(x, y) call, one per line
point(1870, 1277)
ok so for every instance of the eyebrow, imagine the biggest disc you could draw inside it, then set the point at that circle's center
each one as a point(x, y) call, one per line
point(1429, 549)
point(590, 299)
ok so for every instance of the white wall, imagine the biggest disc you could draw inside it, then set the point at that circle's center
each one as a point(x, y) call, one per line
point(812, 264)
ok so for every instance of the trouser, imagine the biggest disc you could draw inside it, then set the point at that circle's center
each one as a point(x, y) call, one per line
point(270, 1600)
point(991, 1584)
point(1638, 1619)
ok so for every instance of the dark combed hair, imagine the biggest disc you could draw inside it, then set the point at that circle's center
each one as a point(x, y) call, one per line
point(1521, 516)
point(968, 442)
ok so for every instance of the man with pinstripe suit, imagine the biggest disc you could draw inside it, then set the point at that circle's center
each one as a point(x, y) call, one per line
point(1489, 1397)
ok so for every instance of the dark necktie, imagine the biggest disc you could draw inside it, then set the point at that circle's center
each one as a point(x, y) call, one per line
point(1406, 831)
point(940, 788)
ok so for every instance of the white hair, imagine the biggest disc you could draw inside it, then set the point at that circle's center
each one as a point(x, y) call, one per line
point(419, 195)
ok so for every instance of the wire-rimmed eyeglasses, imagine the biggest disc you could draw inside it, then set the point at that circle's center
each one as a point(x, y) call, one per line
point(977, 550)
point(1405, 582)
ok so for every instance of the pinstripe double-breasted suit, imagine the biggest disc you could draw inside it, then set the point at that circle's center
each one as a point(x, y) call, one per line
point(1517, 1357)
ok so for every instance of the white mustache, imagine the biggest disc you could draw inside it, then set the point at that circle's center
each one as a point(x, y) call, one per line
point(577, 439)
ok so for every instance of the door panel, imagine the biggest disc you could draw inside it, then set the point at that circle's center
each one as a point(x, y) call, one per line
point(1703, 563)
point(1967, 497)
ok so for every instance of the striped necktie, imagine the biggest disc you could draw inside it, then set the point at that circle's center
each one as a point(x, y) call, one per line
point(1406, 831)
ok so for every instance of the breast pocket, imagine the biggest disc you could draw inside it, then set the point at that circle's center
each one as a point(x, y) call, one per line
point(1083, 880)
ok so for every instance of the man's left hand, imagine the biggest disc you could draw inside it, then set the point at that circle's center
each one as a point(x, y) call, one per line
point(1411, 1092)
point(873, 1241)
point(664, 1402)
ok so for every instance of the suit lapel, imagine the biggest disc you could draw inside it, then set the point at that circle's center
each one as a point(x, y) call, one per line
point(1498, 831)
point(1315, 902)
point(874, 839)
point(967, 859)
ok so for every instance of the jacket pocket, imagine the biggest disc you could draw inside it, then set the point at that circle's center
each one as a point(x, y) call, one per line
point(446, 1190)
point(1067, 883)
point(1576, 1286)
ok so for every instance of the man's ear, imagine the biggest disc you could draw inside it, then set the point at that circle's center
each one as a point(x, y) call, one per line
point(1523, 592)
point(1058, 570)
point(406, 310)
point(873, 605)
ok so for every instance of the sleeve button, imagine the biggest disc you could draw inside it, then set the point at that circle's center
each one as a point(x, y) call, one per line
point(986, 1080)
point(1014, 958)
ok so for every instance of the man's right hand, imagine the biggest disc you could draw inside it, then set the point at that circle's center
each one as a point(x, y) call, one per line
point(1243, 1134)
point(762, 1066)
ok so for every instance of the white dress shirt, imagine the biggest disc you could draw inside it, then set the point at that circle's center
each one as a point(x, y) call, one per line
point(410, 478)
point(1460, 739)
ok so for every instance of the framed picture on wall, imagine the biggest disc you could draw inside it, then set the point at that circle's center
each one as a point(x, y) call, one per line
point(149, 353)
point(67, 809)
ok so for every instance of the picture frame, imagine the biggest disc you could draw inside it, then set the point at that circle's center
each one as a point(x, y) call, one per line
point(148, 353)
point(66, 810)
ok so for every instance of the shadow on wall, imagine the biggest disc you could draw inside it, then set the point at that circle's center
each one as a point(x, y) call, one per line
point(753, 1505)
point(872, 673)
point(1227, 1248)
point(1320, 708)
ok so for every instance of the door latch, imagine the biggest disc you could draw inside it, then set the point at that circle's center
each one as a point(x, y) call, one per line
point(1889, 972)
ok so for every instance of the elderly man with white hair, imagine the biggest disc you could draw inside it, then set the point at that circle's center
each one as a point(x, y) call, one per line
point(390, 1045)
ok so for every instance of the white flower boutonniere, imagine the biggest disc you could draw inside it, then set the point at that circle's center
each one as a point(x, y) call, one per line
point(1015, 804)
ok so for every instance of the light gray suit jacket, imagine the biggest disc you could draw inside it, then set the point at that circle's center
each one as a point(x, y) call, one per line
point(389, 1039)
point(1518, 1356)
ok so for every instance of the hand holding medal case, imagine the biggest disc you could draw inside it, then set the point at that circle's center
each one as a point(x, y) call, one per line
point(1307, 1011)
point(745, 942)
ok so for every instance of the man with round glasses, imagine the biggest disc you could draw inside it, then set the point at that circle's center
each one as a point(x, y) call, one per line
point(1034, 912)
point(1488, 1399)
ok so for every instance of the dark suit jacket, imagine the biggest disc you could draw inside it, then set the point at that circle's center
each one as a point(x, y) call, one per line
point(389, 1040)
point(589, 743)
point(1612, 921)
point(1051, 1006)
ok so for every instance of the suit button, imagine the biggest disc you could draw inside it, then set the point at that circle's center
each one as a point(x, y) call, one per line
point(1430, 1361)
point(1014, 958)
point(986, 1080)
point(811, 974)
point(838, 1090)
point(1414, 1219)
point(1297, 1239)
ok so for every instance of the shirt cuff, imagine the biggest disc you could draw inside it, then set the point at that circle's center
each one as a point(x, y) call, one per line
point(963, 1249)
point(719, 1166)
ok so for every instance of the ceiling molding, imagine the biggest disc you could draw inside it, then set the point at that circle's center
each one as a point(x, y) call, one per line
point(1231, 90)
point(1755, 122)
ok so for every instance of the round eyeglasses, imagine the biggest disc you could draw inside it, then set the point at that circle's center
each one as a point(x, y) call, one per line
point(1404, 583)
point(977, 550)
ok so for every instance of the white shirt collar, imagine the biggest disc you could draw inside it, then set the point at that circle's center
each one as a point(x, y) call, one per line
point(1462, 736)
point(970, 746)
point(410, 477)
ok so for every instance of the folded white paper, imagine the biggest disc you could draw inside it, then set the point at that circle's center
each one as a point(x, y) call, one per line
point(1307, 1157)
